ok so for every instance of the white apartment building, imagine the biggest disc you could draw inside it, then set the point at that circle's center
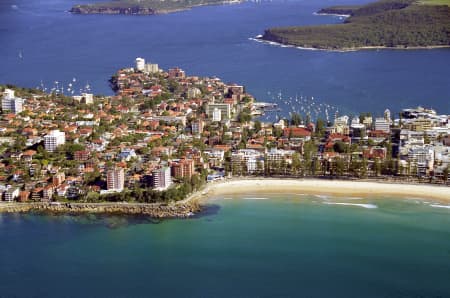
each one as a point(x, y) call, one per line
point(115, 179)
point(161, 178)
point(54, 139)
point(10, 103)
point(140, 64)
point(247, 158)
point(88, 98)
point(382, 124)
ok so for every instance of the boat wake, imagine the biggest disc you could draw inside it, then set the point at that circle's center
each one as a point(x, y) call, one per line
point(273, 43)
point(255, 198)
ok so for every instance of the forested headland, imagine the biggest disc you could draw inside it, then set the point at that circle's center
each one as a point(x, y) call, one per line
point(384, 24)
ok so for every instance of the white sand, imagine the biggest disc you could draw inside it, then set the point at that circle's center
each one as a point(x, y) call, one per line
point(324, 187)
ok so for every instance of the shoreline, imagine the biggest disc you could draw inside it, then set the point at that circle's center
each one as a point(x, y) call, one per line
point(338, 188)
point(344, 50)
point(195, 203)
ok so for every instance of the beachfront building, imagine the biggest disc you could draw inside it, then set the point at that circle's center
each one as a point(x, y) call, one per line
point(183, 168)
point(279, 155)
point(246, 161)
point(421, 159)
point(161, 179)
point(11, 194)
point(54, 139)
point(115, 179)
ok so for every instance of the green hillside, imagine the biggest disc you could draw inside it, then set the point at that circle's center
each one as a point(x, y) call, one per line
point(386, 23)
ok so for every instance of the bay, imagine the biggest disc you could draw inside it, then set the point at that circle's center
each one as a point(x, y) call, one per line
point(214, 41)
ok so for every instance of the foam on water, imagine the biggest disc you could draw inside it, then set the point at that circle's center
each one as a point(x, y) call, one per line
point(354, 198)
point(323, 197)
point(440, 206)
point(368, 206)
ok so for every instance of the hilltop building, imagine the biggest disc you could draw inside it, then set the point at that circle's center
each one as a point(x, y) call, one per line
point(10, 103)
point(140, 64)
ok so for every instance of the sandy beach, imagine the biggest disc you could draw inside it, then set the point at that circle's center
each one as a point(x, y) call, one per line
point(323, 187)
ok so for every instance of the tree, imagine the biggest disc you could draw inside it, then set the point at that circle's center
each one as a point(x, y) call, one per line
point(320, 127)
point(340, 147)
point(296, 119)
point(257, 126)
point(446, 173)
point(296, 162)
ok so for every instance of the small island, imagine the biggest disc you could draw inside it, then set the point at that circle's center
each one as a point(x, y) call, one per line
point(143, 7)
point(394, 24)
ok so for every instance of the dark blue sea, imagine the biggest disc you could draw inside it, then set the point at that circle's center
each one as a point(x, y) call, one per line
point(41, 41)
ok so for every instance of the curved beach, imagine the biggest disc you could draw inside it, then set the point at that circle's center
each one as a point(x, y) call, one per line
point(323, 187)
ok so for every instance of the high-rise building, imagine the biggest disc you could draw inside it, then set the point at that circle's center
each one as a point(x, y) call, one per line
point(151, 68)
point(54, 139)
point(382, 124)
point(387, 115)
point(115, 179)
point(140, 64)
point(197, 126)
point(161, 178)
point(224, 108)
point(8, 93)
point(216, 115)
point(183, 168)
point(11, 103)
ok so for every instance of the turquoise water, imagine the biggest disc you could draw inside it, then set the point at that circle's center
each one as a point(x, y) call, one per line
point(287, 246)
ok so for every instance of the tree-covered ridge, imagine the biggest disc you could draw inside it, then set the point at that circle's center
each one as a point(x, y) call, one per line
point(398, 23)
point(142, 7)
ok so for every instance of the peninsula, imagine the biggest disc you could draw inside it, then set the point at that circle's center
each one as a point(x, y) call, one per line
point(152, 147)
point(394, 24)
point(143, 7)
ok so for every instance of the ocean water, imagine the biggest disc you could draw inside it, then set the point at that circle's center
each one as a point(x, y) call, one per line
point(41, 41)
point(247, 246)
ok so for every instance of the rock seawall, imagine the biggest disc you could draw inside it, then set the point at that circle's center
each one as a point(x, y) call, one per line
point(173, 210)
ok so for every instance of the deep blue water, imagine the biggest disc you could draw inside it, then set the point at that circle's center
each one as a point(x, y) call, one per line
point(58, 46)
point(282, 247)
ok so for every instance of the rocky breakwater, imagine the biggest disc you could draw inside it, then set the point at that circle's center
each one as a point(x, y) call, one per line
point(94, 9)
point(172, 210)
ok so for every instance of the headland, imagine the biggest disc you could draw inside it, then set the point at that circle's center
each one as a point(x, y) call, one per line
point(143, 7)
point(386, 24)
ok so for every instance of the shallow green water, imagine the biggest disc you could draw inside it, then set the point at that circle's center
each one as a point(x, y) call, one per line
point(290, 246)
